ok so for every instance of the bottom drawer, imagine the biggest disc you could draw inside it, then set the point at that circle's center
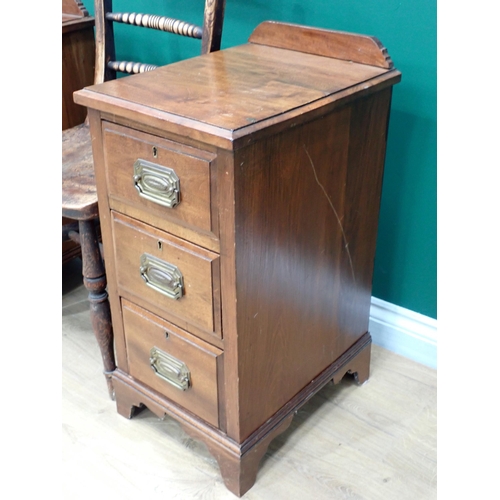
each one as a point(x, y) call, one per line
point(172, 362)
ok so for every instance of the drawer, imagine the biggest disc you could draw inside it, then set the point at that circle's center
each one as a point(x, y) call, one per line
point(172, 362)
point(169, 276)
point(164, 183)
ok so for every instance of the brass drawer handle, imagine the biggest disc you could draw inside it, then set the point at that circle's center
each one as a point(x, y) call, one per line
point(170, 369)
point(162, 276)
point(157, 183)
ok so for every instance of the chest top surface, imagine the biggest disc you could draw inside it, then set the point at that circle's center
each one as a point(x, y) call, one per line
point(236, 91)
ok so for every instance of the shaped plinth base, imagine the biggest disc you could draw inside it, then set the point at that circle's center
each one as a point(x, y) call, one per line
point(239, 462)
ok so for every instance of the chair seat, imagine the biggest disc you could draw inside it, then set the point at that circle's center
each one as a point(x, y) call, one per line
point(79, 195)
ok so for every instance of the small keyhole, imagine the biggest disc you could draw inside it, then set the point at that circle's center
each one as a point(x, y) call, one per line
point(160, 245)
point(166, 335)
point(155, 152)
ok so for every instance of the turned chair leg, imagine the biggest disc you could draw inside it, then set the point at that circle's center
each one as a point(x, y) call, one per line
point(94, 279)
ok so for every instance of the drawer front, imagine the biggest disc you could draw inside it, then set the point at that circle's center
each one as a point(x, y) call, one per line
point(159, 180)
point(169, 276)
point(172, 362)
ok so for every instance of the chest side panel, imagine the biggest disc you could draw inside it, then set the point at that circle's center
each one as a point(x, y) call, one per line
point(306, 207)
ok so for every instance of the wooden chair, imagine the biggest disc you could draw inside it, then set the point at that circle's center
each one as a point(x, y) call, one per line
point(79, 197)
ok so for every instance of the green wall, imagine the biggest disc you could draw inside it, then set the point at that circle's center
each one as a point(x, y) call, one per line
point(405, 263)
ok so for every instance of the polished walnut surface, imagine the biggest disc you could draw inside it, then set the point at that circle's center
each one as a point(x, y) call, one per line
point(238, 91)
point(264, 248)
point(212, 89)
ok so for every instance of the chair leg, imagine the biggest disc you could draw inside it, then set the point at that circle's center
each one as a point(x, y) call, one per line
point(94, 279)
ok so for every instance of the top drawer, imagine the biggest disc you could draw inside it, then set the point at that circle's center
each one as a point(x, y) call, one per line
point(163, 183)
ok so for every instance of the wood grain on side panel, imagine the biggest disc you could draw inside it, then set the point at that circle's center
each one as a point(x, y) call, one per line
point(301, 250)
point(367, 140)
point(289, 196)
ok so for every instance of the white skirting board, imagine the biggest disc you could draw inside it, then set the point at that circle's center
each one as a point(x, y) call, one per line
point(404, 332)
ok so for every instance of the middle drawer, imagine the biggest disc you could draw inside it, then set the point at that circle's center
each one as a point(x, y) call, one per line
point(169, 276)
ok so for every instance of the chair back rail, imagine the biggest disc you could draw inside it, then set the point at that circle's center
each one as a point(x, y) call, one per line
point(107, 66)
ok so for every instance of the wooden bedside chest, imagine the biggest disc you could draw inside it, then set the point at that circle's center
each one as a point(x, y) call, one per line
point(239, 195)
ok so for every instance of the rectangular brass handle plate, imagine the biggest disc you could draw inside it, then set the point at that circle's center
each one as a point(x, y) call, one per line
point(162, 276)
point(157, 183)
point(170, 369)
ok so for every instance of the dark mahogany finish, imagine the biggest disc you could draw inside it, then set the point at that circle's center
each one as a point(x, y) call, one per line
point(292, 130)
point(304, 274)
